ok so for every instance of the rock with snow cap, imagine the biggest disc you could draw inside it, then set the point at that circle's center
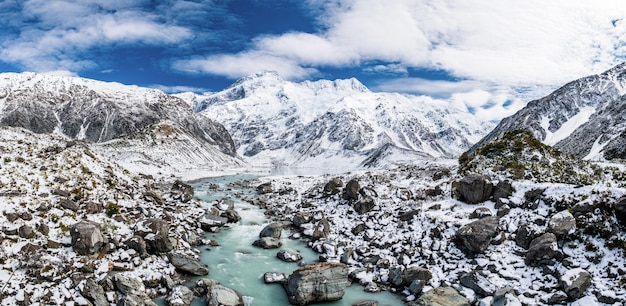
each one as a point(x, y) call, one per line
point(87, 239)
point(542, 250)
point(562, 223)
point(179, 296)
point(526, 233)
point(289, 255)
point(267, 243)
point(477, 281)
point(182, 191)
point(321, 230)
point(333, 186)
point(575, 282)
point(155, 232)
point(474, 238)
point(94, 293)
point(351, 191)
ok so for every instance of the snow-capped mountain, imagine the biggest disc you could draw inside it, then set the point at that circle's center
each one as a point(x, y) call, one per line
point(103, 112)
point(585, 118)
point(330, 124)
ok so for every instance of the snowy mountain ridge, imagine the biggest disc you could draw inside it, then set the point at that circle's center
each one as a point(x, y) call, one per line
point(329, 123)
point(102, 112)
point(584, 118)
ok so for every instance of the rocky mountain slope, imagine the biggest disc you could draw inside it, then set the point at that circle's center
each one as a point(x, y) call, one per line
point(101, 112)
point(78, 229)
point(325, 124)
point(584, 118)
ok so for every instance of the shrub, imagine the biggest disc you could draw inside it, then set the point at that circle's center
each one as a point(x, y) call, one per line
point(112, 209)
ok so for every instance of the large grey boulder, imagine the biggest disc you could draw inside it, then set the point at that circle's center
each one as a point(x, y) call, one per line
point(475, 189)
point(273, 230)
point(179, 296)
point(94, 293)
point(478, 282)
point(155, 233)
point(620, 210)
point(575, 282)
point(542, 250)
point(323, 282)
point(474, 238)
point(333, 186)
point(267, 243)
point(182, 191)
point(321, 230)
point(134, 291)
point(351, 191)
point(399, 276)
point(188, 264)
point(562, 224)
point(503, 189)
point(364, 205)
point(87, 239)
point(219, 295)
point(445, 296)
point(289, 255)
point(526, 233)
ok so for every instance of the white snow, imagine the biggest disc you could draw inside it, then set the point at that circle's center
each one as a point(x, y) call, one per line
point(566, 128)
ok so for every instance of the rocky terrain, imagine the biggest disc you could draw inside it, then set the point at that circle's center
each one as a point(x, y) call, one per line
point(480, 234)
point(584, 118)
point(324, 124)
point(79, 229)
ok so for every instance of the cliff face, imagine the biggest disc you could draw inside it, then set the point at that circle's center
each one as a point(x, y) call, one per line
point(584, 118)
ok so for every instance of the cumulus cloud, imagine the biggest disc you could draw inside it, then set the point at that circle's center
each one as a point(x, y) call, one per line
point(237, 65)
point(44, 35)
point(506, 42)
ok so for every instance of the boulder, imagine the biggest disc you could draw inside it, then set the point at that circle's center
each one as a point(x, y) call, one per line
point(474, 238)
point(503, 190)
point(366, 303)
point(94, 293)
point(526, 233)
point(300, 218)
point(575, 282)
point(138, 244)
point(26, 231)
point(351, 191)
point(187, 264)
point(267, 243)
point(399, 276)
point(69, 204)
point(289, 255)
point(179, 296)
point(273, 230)
point(505, 297)
point(274, 277)
point(478, 282)
point(321, 230)
point(219, 295)
point(323, 282)
point(481, 212)
point(231, 215)
point(364, 205)
point(93, 208)
point(264, 188)
point(127, 284)
point(542, 250)
point(181, 191)
point(562, 224)
point(87, 239)
point(475, 189)
point(333, 186)
point(155, 232)
point(444, 296)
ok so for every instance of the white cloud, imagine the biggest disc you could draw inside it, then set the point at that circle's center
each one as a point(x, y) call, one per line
point(428, 87)
point(237, 65)
point(504, 42)
point(58, 35)
point(178, 89)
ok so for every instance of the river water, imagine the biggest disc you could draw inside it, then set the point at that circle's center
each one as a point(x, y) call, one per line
point(240, 266)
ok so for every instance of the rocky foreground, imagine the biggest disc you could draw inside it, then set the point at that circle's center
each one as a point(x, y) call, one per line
point(79, 229)
point(442, 238)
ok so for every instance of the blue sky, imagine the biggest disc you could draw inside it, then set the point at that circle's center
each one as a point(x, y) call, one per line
point(492, 56)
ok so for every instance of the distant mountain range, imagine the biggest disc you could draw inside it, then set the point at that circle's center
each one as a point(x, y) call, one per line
point(141, 127)
point(585, 118)
point(329, 124)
